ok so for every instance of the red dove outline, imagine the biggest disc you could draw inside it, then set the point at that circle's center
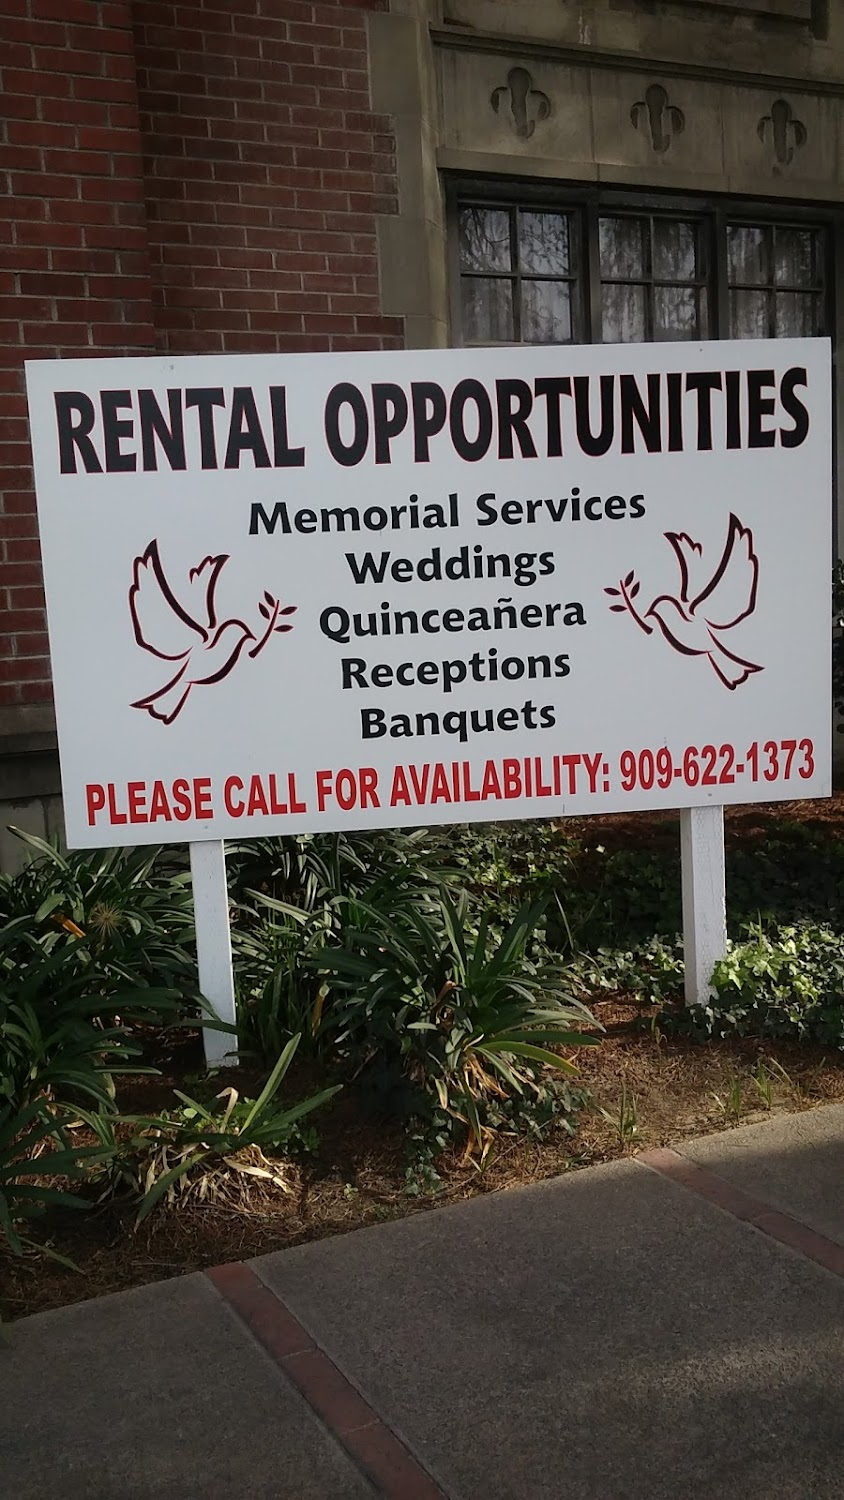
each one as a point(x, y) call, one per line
point(164, 626)
point(695, 626)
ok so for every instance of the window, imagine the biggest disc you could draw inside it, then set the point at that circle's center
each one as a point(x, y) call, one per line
point(519, 275)
point(602, 267)
point(653, 279)
point(776, 281)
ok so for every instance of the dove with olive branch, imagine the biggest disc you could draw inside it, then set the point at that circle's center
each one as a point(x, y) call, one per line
point(697, 620)
point(185, 628)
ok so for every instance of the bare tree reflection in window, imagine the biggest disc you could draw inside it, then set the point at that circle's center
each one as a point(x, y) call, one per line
point(776, 281)
point(675, 250)
point(749, 254)
point(653, 283)
point(796, 315)
point(546, 312)
point(544, 244)
point(676, 313)
point(750, 316)
point(622, 249)
point(794, 258)
point(484, 239)
point(488, 310)
point(526, 272)
point(624, 317)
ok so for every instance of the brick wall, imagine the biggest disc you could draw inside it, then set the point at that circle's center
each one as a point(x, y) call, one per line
point(74, 272)
point(192, 177)
point(265, 170)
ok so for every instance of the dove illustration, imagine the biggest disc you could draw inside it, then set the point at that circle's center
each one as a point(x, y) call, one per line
point(188, 631)
point(697, 626)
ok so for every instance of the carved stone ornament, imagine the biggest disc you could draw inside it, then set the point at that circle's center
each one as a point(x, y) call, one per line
point(524, 104)
point(661, 120)
point(783, 132)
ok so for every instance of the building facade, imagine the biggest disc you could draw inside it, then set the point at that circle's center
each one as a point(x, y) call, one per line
point(276, 175)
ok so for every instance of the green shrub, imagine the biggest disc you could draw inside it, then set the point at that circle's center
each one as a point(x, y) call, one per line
point(134, 907)
point(33, 1150)
point(508, 864)
point(648, 972)
point(789, 983)
point(442, 1017)
point(81, 937)
point(196, 1150)
point(297, 904)
point(66, 1027)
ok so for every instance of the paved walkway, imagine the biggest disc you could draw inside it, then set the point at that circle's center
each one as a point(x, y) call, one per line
point(665, 1328)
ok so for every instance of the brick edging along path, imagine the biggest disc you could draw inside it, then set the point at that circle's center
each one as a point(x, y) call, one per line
point(371, 1445)
point(771, 1221)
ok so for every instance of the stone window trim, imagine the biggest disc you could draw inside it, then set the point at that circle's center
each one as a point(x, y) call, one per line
point(780, 10)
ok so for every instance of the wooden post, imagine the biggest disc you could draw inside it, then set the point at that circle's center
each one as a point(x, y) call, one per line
point(704, 898)
point(214, 947)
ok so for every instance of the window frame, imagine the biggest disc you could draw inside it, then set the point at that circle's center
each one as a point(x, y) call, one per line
point(516, 276)
point(712, 212)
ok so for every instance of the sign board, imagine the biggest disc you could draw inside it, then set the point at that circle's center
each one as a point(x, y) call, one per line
point(305, 592)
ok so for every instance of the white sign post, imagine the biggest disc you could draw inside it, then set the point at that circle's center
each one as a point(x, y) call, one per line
point(214, 946)
point(316, 592)
point(704, 898)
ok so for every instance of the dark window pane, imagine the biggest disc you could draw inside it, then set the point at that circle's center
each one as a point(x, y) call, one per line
point(623, 249)
point(487, 310)
point(749, 315)
point(546, 312)
point(675, 250)
point(793, 258)
point(623, 310)
point(485, 239)
point(797, 315)
point(677, 314)
point(749, 252)
point(544, 244)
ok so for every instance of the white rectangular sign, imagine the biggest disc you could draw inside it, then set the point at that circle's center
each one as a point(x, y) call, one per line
point(305, 592)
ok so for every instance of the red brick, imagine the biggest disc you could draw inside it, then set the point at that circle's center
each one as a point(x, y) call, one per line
point(67, 60)
point(18, 621)
point(37, 133)
point(13, 574)
point(62, 10)
point(36, 81)
point(32, 644)
point(110, 90)
point(93, 138)
point(24, 668)
point(44, 185)
point(263, 172)
point(28, 599)
point(20, 107)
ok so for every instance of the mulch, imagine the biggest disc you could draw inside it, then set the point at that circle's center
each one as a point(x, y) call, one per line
point(648, 1090)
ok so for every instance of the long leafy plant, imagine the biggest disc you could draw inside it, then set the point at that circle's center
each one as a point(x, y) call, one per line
point(440, 1010)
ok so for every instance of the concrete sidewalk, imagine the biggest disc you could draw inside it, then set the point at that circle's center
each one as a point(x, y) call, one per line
point(669, 1327)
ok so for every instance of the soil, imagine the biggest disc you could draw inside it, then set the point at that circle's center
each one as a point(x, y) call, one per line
point(647, 1089)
